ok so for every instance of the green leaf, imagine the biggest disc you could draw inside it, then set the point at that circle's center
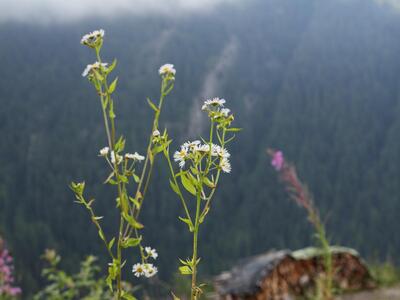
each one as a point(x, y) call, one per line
point(124, 204)
point(111, 243)
point(188, 222)
point(123, 178)
point(101, 235)
point(188, 185)
point(131, 242)
point(208, 183)
point(174, 187)
point(203, 215)
point(136, 178)
point(185, 270)
point(159, 148)
point(120, 144)
point(151, 157)
point(132, 221)
point(128, 297)
point(112, 66)
point(112, 181)
point(234, 129)
point(152, 105)
point(135, 202)
point(111, 113)
point(109, 177)
point(112, 86)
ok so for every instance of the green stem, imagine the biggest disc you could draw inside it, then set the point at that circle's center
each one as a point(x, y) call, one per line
point(195, 242)
point(171, 169)
point(111, 141)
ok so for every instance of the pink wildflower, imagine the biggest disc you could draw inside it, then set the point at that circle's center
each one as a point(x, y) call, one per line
point(277, 160)
point(6, 270)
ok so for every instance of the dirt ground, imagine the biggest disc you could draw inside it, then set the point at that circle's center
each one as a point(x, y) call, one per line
point(392, 293)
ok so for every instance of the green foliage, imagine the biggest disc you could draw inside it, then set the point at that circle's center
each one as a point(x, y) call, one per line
point(385, 274)
point(84, 285)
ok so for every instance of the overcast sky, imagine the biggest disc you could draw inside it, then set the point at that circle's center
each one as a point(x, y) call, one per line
point(45, 11)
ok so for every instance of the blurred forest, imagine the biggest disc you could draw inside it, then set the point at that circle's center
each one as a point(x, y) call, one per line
point(318, 79)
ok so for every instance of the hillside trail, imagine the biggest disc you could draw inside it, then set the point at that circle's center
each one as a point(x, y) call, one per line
point(391, 293)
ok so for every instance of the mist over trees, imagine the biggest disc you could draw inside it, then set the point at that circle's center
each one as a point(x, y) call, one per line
point(319, 80)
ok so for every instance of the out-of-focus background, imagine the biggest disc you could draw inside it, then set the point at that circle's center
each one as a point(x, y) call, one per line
point(318, 79)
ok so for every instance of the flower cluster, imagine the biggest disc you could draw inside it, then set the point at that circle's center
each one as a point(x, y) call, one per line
point(217, 112)
point(195, 151)
point(146, 269)
point(116, 158)
point(288, 175)
point(91, 68)
point(167, 70)
point(93, 39)
point(6, 277)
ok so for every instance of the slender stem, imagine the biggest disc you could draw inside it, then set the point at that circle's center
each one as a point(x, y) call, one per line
point(111, 141)
point(177, 185)
point(207, 206)
point(195, 241)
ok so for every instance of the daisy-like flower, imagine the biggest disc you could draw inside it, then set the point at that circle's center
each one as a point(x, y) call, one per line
point(203, 148)
point(156, 133)
point(214, 102)
point(180, 156)
point(89, 68)
point(192, 145)
point(115, 158)
point(167, 69)
point(225, 165)
point(104, 151)
point(222, 152)
point(215, 150)
point(149, 270)
point(225, 112)
point(135, 156)
point(91, 38)
point(151, 252)
point(138, 270)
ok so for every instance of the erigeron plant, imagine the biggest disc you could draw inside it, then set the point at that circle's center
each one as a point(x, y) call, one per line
point(200, 166)
point(124, 171)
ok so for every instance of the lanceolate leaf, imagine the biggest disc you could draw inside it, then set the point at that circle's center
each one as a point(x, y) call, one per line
point(188, 184)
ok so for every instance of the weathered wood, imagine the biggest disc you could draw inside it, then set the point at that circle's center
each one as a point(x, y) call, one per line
point(284, 275)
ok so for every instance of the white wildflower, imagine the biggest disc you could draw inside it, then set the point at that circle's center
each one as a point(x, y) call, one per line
point(115, 158)
point(222, 152)
point(167, 69)
point(156, 133)
point(138, 270)
point(92, 37)
point(215, 150)
point(203, 148)
point(151, 252)
point(225, 112)
point(104, 151)
point(180, 156)
point(149, 270)
point(96, 66)
point(191, 145)
point(214, 102)
point(135, 156)
point(225, 165)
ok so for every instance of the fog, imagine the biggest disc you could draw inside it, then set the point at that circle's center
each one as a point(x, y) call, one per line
point(49, 11)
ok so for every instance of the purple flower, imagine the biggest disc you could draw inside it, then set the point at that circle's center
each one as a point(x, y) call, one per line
point(6, 270)
point(277, 160)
